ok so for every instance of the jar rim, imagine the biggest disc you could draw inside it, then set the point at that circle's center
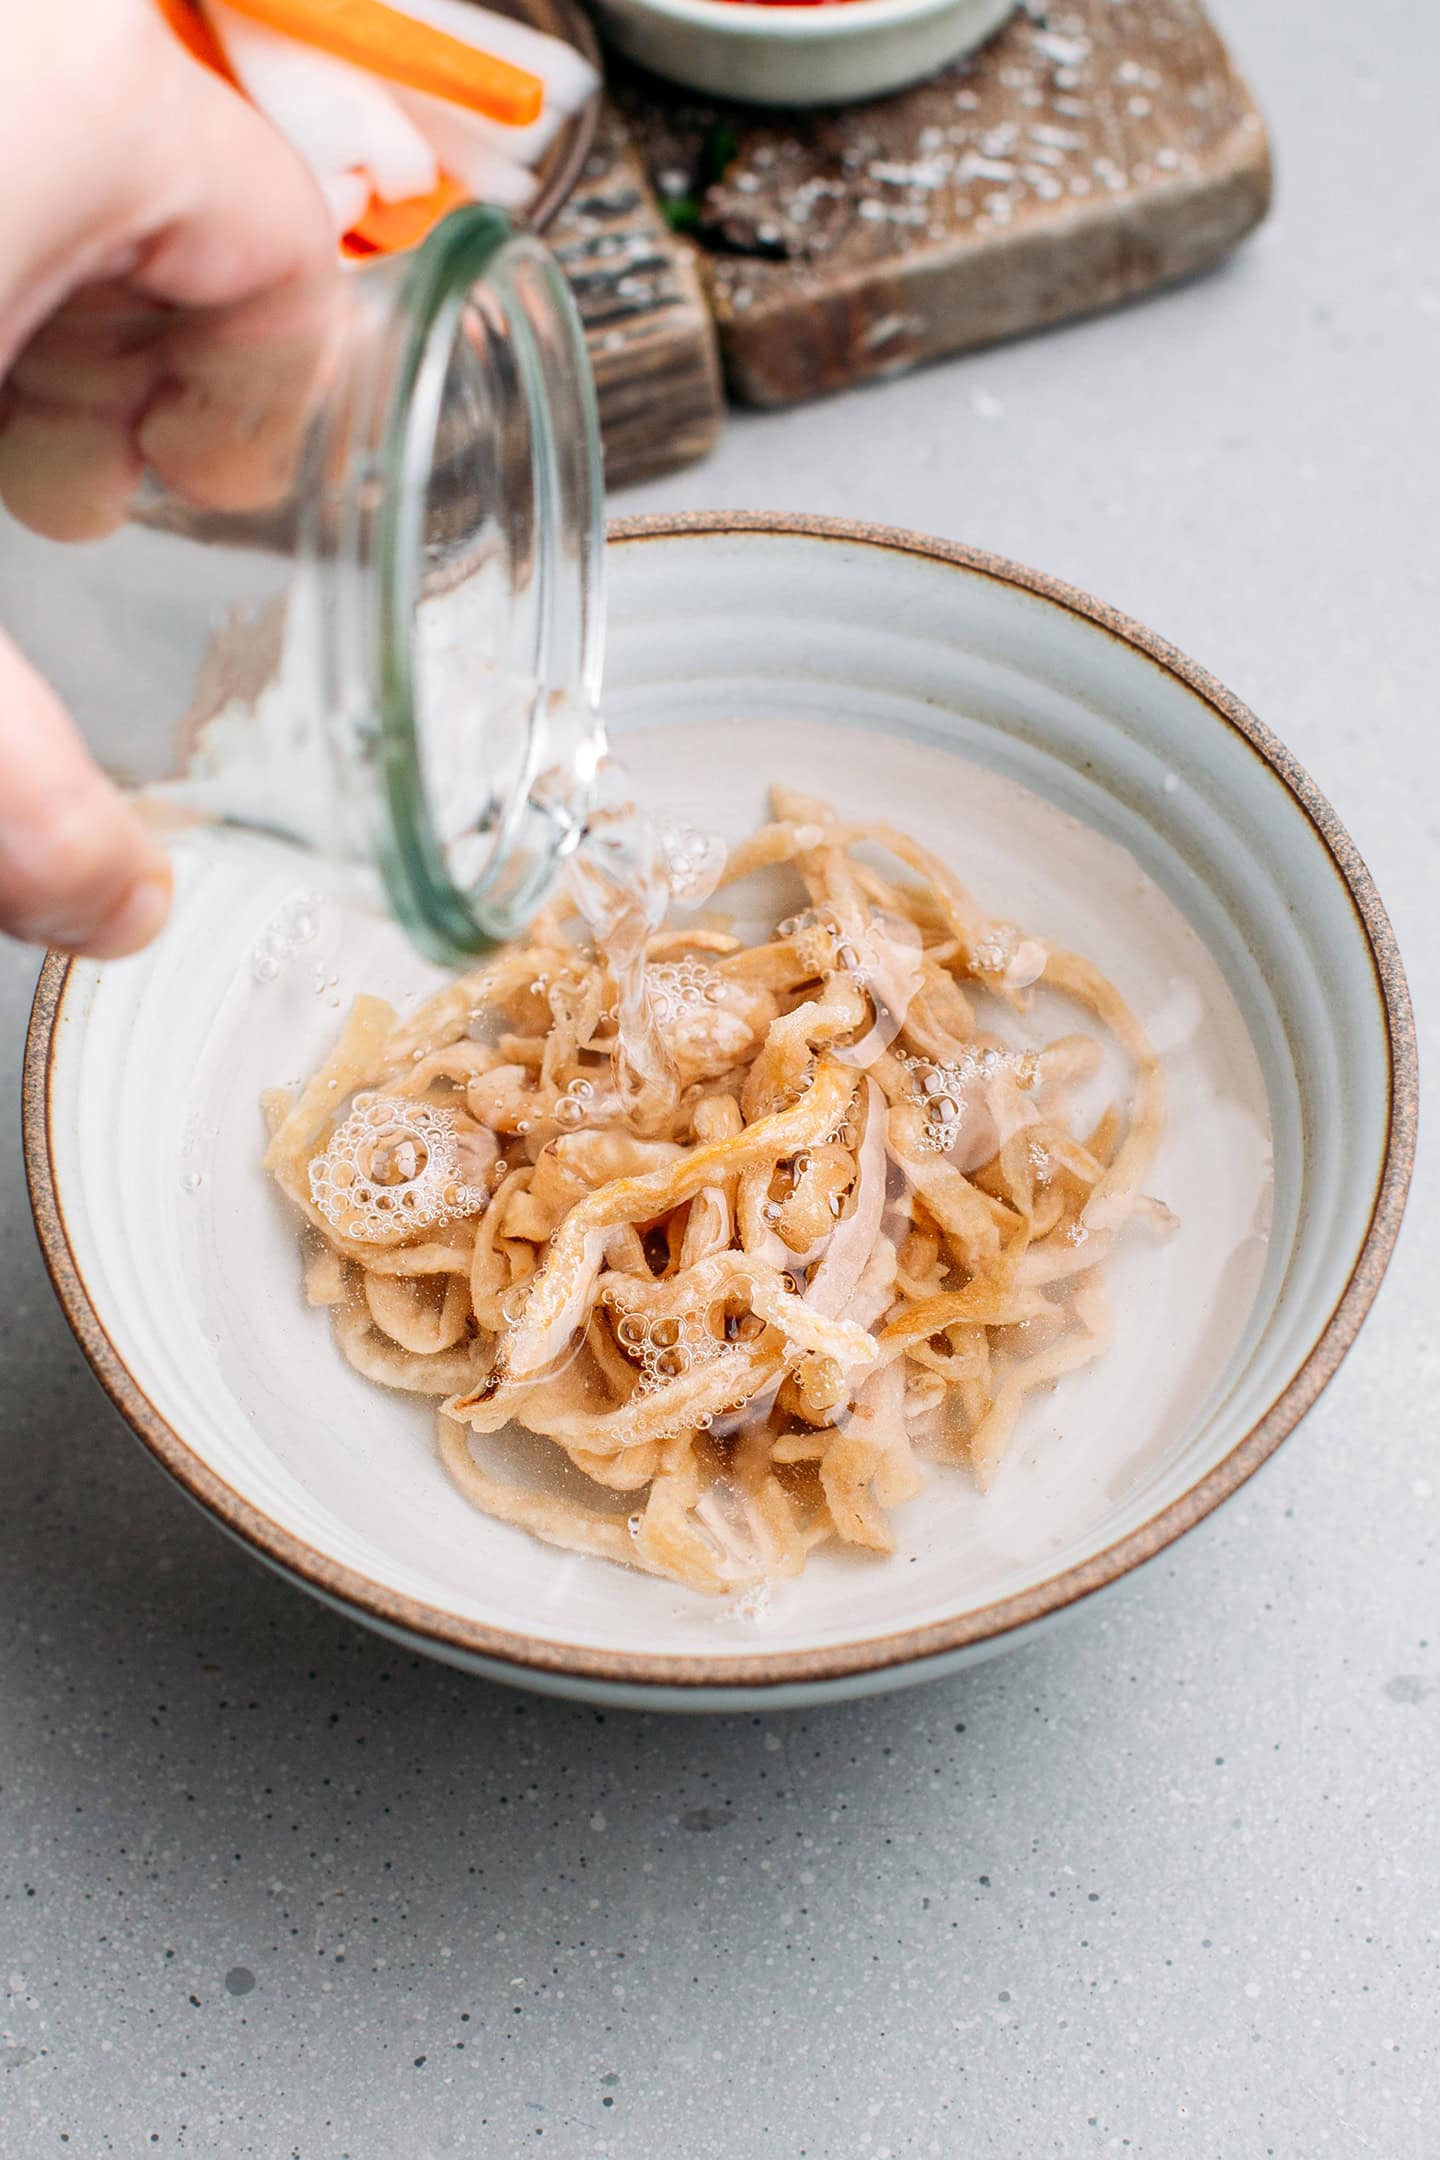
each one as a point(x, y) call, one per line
point(452, 921)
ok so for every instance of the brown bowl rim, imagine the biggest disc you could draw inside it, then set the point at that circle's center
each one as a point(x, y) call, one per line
point(522, 1657)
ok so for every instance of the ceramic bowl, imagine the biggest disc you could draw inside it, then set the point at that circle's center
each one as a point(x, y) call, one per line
point(1087, 781)
point(799, 55)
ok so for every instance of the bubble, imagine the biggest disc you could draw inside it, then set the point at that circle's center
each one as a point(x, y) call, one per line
point(569, 1112)
point(582, 1089)
point(771, 1211)
point(679, 989)
point(391, 1154)
point(671, 1364)
point(522, 1125)
point(665, 1334)
point(945, 1092)
point(304, 923)
point(631, 1331)
point(789, 1282)
point(264, 966)
point(800, 1165)
point(694, 861)
point(633, 1524)
point(193, 1180)
point(994, 951)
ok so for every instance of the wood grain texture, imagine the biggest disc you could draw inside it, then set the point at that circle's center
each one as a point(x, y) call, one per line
point(1089, 153)
point(647, 321)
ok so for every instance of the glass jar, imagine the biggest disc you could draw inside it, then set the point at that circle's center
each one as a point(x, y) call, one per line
point(360, 609)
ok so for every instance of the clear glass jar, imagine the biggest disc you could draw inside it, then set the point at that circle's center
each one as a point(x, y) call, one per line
point(381, 640)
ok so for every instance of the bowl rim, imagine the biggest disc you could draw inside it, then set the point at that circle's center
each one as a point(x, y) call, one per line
point(519, 1656)
point(798, 22)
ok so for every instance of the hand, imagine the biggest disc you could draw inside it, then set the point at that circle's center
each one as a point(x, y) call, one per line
point(162, 236)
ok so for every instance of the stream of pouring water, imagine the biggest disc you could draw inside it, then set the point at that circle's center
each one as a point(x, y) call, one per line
point(624, 877)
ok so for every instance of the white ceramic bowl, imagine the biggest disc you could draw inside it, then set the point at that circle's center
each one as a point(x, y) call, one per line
point(1087, 780)
point(799, 55)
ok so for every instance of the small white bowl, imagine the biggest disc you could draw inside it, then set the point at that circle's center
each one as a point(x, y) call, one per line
point(789, 54)
point(1086, 780)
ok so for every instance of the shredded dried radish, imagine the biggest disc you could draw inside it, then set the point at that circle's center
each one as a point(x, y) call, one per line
point(857, 1228)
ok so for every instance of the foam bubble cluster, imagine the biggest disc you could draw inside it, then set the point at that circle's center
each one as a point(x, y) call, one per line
point(844, 952)
point(666, 1348)
point(392, 1165)
point(574, 1105)
point(297, 924)
point(678, 989)
point(947, 1093)
point(694, 862)
point(1009, 959)
point(944, 1094)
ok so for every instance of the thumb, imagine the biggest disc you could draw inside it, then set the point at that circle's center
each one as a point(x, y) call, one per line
point(77, 868)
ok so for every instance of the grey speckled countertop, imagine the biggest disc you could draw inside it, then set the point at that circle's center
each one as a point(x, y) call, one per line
point(1163, 1883)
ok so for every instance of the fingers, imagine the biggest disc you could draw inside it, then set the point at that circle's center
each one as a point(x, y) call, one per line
point(227, 427)
point(67, 475)
point(68, 408)
point(198, 356)
point(77, 869)
point(250, 260)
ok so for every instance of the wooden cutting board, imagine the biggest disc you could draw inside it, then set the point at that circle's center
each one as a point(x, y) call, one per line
point(1089, 153)
point(646, 313)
